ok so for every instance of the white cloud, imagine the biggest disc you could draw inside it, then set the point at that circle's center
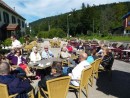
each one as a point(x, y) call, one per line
point(35, 9)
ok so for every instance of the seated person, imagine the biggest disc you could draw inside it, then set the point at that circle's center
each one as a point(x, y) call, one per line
point(100, 50)
point(15, 43)
point(69, 48)
point(3, 59)
point(108, 59)
point(80, 47)
point(64, 53)
point(14, 84)
point(56, 71)
point(76, 72)
point(19, 61)
point(46, 53)
point(94, 54)
point(34, 56)
point(90, 59)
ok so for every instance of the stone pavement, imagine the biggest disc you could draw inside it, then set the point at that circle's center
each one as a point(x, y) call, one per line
point(118, 87)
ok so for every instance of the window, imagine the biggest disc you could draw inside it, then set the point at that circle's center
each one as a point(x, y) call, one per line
point(128, 23)
point(23, 24)
point(6, 17)
point(19, 22)
point(13, 19)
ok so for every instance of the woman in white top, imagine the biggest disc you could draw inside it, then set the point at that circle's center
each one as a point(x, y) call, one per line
point(35, 56)
point(64, 53)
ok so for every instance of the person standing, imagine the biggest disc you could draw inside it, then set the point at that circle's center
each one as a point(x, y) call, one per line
point(15, 43)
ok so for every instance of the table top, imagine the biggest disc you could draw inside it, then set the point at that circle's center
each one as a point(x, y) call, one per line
point(111, 48)
point(44, 63)
point(126, 50)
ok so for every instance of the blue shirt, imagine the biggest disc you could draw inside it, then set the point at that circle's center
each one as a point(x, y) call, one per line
point(90, 59)
point(46, 55)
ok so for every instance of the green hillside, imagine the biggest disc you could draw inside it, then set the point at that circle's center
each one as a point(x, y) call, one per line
point(86, 21)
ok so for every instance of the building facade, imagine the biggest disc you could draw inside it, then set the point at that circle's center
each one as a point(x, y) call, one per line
point(126, 23)
point(10, 22)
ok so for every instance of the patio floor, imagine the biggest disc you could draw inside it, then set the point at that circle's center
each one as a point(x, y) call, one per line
point(118, 87)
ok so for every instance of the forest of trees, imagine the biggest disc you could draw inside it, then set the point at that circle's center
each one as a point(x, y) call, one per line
point(88, 20)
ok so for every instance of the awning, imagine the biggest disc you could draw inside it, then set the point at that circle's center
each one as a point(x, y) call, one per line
point(12, 27)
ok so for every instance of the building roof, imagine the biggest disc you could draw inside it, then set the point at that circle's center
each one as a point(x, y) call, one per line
point(126, 15)
point(5, 6)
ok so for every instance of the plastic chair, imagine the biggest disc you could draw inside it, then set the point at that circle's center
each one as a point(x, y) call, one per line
point(57, 88)
point(4, 92)
point(85, 76)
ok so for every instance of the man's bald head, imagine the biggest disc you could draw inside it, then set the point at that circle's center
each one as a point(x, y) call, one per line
point(83, 56)
point(4, 68)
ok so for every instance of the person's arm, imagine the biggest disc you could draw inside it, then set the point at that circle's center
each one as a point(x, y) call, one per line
point(51, 54)
point(39, 56)
point(44, 56)
point(32, 57)
point(10, 56)
point(62, 55)
point(24, 60)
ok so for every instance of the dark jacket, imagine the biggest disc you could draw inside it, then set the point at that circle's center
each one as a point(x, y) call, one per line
point(107, 61)
point(43, 84)
point(16, 85)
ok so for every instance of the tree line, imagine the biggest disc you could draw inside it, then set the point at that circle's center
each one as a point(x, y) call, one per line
point(101, 19)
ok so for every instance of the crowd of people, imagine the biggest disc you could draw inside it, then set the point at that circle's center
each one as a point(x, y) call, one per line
point(22, 85)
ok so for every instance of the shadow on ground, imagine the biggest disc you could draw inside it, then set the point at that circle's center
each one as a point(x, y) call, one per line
point(119, 86)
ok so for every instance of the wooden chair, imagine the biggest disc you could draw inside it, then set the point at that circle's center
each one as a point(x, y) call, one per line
point(31, 94)
point(34, 43)
point(57, 88)
point(92, 75)
point(86, 74)
point(4, 92)
point(96, 68)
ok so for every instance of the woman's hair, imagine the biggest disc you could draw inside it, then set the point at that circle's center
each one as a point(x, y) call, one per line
point(58, 66)
point(18, 50)
point(34, 49)
point(106, 49)
point(94, 52)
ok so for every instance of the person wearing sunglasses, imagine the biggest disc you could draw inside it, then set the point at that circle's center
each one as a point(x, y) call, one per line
point(19, 61)
point(46, 53)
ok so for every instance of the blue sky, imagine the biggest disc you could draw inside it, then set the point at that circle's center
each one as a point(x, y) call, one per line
point(33, 10)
